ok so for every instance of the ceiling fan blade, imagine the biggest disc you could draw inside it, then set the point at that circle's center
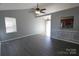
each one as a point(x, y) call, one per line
point(37, 10)
point(43, 9)
point(42, 12)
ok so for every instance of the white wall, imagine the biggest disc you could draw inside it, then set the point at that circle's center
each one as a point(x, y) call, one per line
point(27, 24)
point(0, 48)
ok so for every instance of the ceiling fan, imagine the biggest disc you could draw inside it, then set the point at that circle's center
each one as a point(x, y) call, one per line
point(38, 10)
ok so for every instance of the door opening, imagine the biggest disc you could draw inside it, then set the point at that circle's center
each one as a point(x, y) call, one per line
point(48, 28)
point(48, 25)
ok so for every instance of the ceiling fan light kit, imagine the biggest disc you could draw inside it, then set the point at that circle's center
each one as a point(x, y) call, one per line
point(39, 11)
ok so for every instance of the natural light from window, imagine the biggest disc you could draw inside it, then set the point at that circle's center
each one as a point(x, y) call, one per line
point(10, 24)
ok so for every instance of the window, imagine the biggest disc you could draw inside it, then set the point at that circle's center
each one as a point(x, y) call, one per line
point(10, 24)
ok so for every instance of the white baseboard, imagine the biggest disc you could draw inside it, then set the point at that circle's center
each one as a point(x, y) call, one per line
point(71, 41)
point(17, 37)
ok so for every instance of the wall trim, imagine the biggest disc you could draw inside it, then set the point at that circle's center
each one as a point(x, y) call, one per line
point(70, 41)
point(18, 37)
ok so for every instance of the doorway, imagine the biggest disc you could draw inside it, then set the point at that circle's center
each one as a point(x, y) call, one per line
point(48, 28)
point(48, 25)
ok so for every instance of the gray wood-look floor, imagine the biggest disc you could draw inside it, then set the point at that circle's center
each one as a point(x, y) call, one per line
point(37, 45)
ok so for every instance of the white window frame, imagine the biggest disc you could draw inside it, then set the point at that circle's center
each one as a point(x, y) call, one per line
point(10, 24)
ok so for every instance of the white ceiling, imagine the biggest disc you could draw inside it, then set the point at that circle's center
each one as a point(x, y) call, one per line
point(51, 7)
point(59, 6)
point(14, 6)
